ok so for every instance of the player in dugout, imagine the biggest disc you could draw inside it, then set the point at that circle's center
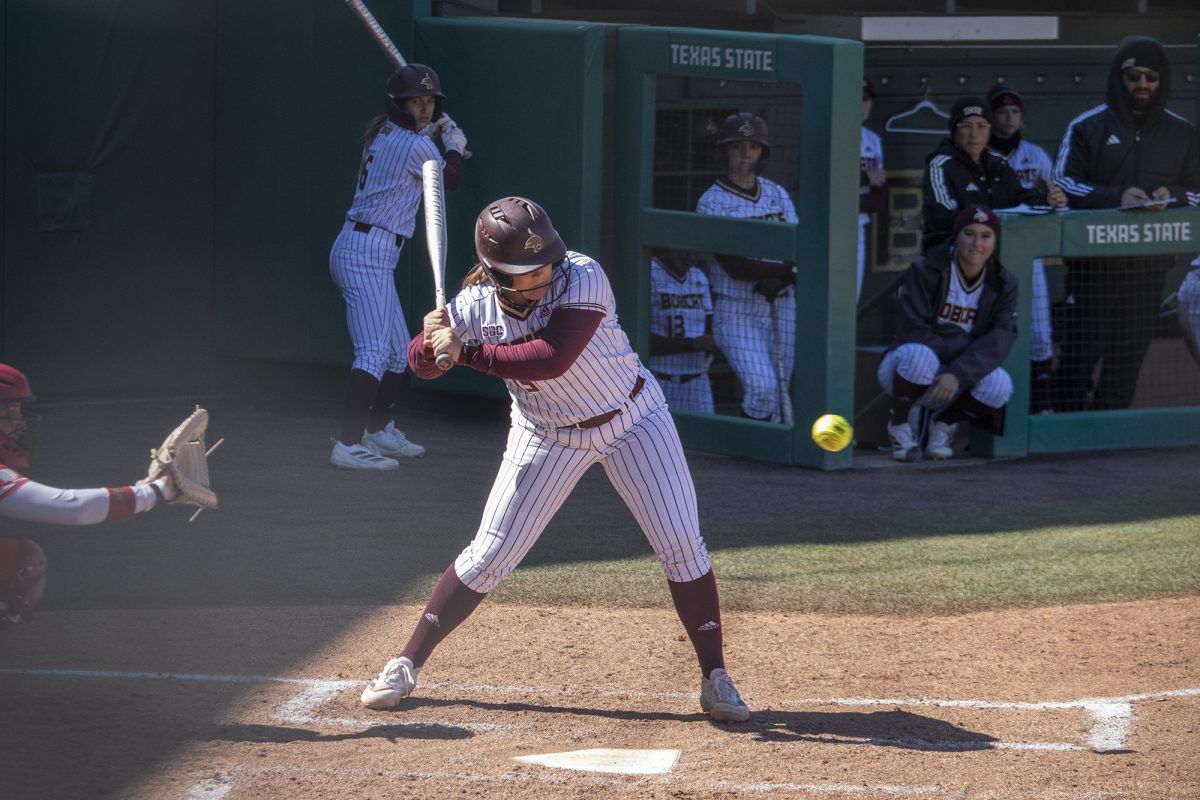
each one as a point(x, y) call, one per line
point(957, 324)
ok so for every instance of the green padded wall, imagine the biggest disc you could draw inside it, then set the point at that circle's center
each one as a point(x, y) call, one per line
point(108, 193)
point(529, 96)
point(297, 84)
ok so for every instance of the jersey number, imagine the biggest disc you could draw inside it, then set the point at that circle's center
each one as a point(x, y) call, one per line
point(362, 172)
point(528, 386)
point(675, 326)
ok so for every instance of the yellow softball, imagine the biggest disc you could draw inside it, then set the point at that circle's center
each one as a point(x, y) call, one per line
point(832, 432)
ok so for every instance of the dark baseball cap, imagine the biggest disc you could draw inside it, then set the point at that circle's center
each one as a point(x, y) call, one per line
point(969, 107)
point(1004, 95)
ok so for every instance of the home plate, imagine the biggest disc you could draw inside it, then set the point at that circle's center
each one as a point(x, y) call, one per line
point(604, 759)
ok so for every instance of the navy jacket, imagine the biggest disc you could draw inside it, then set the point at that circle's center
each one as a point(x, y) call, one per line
point(969, 356)
point(1107, 149)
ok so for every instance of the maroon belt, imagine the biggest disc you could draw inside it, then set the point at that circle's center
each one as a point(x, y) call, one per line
point(363, 227)
point(596, 422)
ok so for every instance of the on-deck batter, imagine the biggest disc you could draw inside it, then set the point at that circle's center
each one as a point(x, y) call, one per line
point(364, 256)
point(754, 301)
point(544, 319)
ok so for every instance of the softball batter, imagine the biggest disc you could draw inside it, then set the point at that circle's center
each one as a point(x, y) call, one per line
point(681, 340)
point(544, 319)
point(754, 302)
point(364, 257)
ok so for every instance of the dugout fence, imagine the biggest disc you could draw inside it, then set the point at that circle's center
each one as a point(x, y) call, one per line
point(1127, 368)
point(674, 88)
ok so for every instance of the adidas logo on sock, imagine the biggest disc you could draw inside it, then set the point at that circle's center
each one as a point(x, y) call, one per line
point(1112, 139)
point(433, 620)
point(709, 626)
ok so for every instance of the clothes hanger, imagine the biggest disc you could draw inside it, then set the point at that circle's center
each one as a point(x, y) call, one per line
point(896, 123)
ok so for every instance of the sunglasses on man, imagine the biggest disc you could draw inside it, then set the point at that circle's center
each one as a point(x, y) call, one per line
point(1135, 76)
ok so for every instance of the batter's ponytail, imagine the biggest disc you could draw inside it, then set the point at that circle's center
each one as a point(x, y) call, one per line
point(373, 129)
point(476, 276)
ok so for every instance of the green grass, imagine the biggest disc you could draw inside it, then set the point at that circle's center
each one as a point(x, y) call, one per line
point(848, 571)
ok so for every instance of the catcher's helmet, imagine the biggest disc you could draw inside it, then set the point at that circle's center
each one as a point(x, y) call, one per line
point(745, 127)
point(13, 385)
point(14, 388)
point(414, 80)
point(514, 236)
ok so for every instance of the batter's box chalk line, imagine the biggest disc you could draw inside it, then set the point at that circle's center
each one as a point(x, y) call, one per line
point(223, 783)
point(1111, 717)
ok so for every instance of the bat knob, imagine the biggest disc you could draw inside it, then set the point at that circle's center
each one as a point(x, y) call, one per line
point(444, 361)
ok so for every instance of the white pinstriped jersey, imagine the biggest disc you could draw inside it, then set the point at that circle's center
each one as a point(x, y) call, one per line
point(870, 156)
point(770, 202)
point(601, 377)
point(962, 302)
point(389, 186)
point(679, 308)
point(1031, 163)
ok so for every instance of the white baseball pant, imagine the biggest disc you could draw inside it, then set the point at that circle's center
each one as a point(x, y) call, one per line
point(643, 458)
point(918, 364)
point(742, 329)
point(362, 266)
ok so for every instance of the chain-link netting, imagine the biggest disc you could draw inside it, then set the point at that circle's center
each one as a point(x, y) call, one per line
point(1124, 336)
point(723, 325)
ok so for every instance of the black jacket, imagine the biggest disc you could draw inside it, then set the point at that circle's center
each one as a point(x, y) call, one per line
point(953, 181)
point(969, 356)
point(1107, 149)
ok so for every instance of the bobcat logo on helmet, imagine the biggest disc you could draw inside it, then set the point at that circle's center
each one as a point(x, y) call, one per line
point(534, 243)
point(981, 216)
point(746, 129)
point(427, 82)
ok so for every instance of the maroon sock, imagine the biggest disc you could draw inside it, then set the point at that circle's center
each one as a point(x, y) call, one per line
point(965, 407)
point(389, 392)
point(361, 388)
point(904, 394)
point(699, 610)
point(451, 603)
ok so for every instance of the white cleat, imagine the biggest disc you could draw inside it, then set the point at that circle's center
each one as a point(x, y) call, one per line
point(355, 456)
point(392, 443)
point(941, 441)
point(720, 699)
point(904, 443)
point(395, 683)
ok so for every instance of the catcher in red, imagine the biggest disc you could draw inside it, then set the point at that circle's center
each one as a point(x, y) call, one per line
point(178, 474)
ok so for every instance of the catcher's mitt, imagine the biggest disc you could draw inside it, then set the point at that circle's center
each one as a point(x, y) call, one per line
point(183, 459)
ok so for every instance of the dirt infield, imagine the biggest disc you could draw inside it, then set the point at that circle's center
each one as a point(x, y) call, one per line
point(1067, 702)
point(224, 659)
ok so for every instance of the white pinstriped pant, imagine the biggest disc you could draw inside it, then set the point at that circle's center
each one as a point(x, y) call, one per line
point(362, 267)
point(694, 394)
point(1041, 332)
point(743, 331)
point(1189, 300)
point(918, 364)
point(641, 454)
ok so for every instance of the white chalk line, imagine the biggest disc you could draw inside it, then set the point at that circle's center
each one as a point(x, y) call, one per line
point(674, 781)
point(1111, 716)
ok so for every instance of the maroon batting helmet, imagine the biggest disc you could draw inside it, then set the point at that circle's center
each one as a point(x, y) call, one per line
point(745, 127)
point(14, 388)
point(414, 80)
point(514, 236)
